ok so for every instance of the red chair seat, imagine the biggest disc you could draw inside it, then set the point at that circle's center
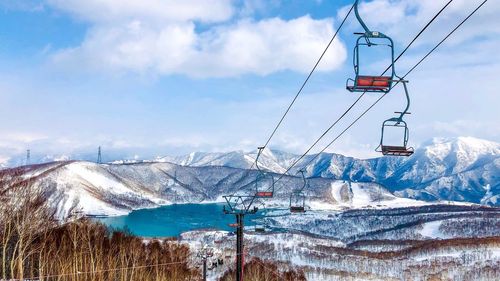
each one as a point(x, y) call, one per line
point(365, 83)
point(373, 81)
point(264, 194)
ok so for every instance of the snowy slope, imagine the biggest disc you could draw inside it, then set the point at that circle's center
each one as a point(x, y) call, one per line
point(460, 169)
point(114, 189)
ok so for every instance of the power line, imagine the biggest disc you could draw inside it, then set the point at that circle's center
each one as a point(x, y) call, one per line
point(336, 121)
point(418, 35)
point(356, 120)
point(307, 78)
point(100, 271)
point(381, 97)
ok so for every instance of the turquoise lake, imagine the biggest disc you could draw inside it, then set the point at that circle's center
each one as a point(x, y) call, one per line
point(172, 220)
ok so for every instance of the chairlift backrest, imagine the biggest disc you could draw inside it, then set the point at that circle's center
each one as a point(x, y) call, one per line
point(397, 122)
point(297, 198)
point(264, 182)
point(363, 82)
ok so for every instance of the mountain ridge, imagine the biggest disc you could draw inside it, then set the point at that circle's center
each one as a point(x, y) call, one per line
point(467, 164)
point(457, 169)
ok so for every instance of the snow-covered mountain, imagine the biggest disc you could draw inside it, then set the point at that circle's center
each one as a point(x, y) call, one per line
point(465, 169)
point(459, 169)
point(114, 189)
point(271, 160)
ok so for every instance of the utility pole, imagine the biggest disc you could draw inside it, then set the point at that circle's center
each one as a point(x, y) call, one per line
point(204, 254)
point(240, 258)
point(239, 205)
point(99, 158)
point(205, 269)
point(28, 156)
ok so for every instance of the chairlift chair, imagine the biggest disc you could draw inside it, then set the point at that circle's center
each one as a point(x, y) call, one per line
point(370, 83)
point(264, 183)
point(397, 122)
point(297, 202)
point(395, 150)
point(297, 198)
point(260, 228)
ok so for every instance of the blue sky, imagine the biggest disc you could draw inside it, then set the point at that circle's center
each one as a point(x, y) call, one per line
point(162, 77)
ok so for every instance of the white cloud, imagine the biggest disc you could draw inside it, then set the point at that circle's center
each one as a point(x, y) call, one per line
point(261, 47)
point(133, 47)
point(158, 11)
point(268, 46)
point(128, 38)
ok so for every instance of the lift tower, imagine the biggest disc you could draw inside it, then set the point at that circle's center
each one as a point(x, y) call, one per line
point(239, 205)
point(204, 254)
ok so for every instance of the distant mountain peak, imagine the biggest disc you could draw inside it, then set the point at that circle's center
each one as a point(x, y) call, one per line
point(463, 150)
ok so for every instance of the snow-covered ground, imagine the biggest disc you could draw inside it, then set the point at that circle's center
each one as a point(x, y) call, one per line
point(328, 259)
point(447, 242)
point(431, 230)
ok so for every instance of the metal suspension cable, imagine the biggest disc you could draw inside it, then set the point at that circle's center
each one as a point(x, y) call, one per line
point(359, 98)
point(307, 78)
point(397, 58)
point(381, 97)
point(418, 35)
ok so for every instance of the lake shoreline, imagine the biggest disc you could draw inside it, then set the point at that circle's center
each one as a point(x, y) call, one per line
point(174, 219)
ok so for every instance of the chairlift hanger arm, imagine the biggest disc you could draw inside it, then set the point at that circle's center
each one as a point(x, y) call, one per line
point(407, 99)
point(302, 173)
point(368, 33)
point(260, 148)
point(269, 192)
point(405, 87)
point(360, 20)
